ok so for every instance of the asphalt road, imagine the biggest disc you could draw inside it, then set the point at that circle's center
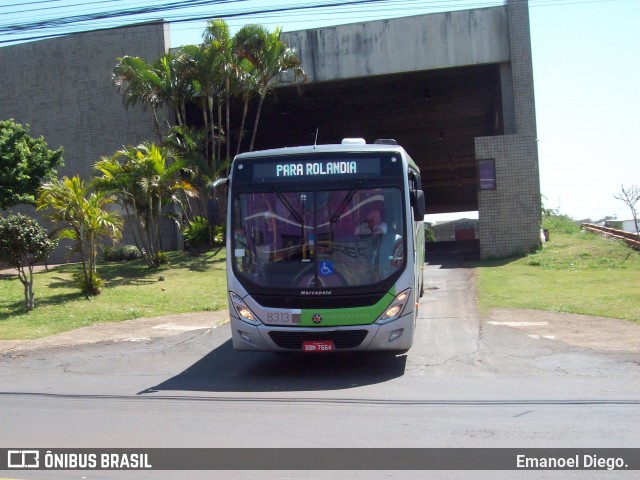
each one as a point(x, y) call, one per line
point(517, 379)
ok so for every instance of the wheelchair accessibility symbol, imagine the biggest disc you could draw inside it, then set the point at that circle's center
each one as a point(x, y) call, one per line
point(326, 268)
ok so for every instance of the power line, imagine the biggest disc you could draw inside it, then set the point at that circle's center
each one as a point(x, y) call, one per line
point(182, 11)
point(40, 24)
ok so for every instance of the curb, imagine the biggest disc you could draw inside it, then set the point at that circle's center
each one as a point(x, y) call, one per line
point(137, 330)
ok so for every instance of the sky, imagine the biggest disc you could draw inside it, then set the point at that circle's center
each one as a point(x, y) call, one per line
point(586, 64)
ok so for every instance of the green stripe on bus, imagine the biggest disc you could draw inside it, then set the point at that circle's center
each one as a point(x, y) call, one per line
point(337, 317)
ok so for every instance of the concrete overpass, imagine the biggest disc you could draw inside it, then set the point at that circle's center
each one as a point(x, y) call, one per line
point(455, 89)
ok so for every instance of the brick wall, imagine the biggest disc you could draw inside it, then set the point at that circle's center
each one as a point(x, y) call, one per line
point(509, 216)
point(62, 88)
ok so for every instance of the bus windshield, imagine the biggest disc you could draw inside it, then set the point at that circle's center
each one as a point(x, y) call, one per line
point(314, 238)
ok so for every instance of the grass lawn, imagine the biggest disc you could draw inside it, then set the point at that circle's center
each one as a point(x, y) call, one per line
point(575, 272)
point(131, 290)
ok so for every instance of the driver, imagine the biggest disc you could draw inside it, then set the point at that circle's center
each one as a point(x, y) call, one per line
point(373, 226)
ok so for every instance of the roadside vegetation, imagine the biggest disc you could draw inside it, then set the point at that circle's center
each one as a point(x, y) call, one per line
point(575, 272)
point(130, 290)
point(151, 182)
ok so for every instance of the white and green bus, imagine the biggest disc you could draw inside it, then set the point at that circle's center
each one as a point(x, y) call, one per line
point(325, 248)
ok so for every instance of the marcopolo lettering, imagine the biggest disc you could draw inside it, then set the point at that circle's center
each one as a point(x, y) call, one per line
point(316, 168)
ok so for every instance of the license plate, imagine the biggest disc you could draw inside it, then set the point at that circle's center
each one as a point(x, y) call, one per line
point(318, 346)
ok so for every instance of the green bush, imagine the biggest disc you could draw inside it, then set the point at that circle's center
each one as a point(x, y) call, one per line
point(94, 288)
point(23, 243)
point(429, 235)
point(162, 257)
point(121, 253)
point(196, 234)
point(218, 235)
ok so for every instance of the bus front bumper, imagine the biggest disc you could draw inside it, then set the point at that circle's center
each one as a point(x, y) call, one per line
point(395, 335)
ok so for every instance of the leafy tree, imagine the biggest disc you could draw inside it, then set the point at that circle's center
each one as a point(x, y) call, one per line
point(218, 40)
point(630, 196)
point(206, 85)
point(143, 180)
point(25, 162)
point(23, 243)
point(189, 144)
point(246, 65)
point(163, 82)
point(246, 87)
point(270, 57)
point(84, 219)
point(429, 235)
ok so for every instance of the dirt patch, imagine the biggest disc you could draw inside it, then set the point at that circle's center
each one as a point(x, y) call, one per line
point(598, 333)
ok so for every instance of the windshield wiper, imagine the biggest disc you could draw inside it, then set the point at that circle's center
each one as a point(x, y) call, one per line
point(288, 206)
point(345, 202)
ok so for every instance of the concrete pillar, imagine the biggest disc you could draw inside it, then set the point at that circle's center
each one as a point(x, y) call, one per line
point(510, 215)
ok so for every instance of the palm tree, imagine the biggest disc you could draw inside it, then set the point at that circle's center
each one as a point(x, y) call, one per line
point(85, 219)
point(171, 77)
point(218, 40)
point(167, 81)
point(205, 85)
point(271, 58)
point(132, 76)
point(143, 180)
point(246, 86)
point(188, 143)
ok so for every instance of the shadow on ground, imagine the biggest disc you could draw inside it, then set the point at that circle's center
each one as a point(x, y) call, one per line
point(225, 370)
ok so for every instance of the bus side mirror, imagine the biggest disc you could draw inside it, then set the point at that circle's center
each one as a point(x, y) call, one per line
point(214, 216)
point(418, 204)
point(213, 212)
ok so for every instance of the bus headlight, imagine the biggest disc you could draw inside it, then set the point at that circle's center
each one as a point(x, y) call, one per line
point(394, 310)
point(243, 311)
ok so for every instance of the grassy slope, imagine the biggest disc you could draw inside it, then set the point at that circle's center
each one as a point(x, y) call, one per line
point(575, 272)
point(131, 290)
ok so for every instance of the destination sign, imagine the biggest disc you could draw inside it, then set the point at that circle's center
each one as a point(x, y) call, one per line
point(284, 170)
point(315, 168)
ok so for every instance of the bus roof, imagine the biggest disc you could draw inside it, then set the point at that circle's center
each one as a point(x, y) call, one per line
point(328, 148)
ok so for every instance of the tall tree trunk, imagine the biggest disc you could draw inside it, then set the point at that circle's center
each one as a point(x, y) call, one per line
point(156, 124)
point(151, 248)
point(255, 125)
point(92, 263)
point(205, 122)
point(31, 294)
point(245, 109)
point(83, 259)
point(227, 87)
point(212, 160)
point(219, 155)
point(137, 230)
point(183, 110)
point(142, 229)
point(27, 283)
point(157, 233)
point(153, 231)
